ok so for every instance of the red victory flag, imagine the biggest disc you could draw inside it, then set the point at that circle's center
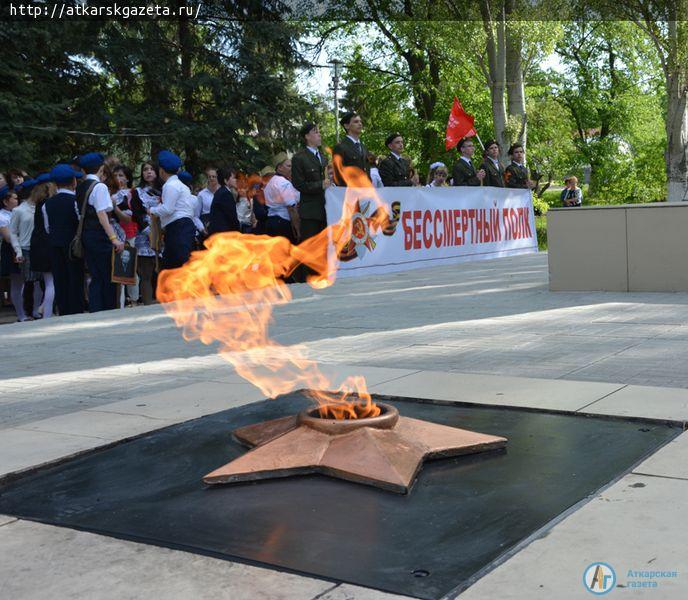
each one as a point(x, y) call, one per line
point(460, 125)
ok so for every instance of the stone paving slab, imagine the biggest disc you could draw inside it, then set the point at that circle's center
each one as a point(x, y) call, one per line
point(641, 401)
point(187, 402)
point(4, 520)
point(106, 425)
point(496, 390)
point(21, 449)
point(78, 382)
point(75, 564)
point(670, 461)
point(631, 526)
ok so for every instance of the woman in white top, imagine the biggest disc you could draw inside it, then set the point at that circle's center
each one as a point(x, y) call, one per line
point(282, 198)
point(145, 196)
point(9, 262)
point(21, 228)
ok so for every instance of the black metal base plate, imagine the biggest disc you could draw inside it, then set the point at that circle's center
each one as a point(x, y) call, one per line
point(461, 515)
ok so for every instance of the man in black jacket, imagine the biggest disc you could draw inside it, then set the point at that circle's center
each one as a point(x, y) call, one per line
point(223, 212)
point(464, 172)
point(350, 150)
point(394, 170)
point(308, 177)
point(494, 172)
point(516, 173)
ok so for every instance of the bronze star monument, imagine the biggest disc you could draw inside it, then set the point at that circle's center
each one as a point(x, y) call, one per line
point(386, 451)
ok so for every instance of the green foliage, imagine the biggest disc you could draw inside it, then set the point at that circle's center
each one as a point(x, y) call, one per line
point(225, 89)
point(540, 206)
point(612, 90)
point(541, 229)
point(217, 90)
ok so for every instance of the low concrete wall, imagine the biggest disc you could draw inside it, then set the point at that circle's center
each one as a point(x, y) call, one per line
point(626, 248)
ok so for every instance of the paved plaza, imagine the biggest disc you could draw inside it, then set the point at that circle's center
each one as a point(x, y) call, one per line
point(486, 332)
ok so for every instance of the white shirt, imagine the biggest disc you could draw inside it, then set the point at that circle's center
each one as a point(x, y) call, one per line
point(100, 195)
point(395, 155)
point(468, 160)
point(21, 226)
point(197, 206)
point(46, 224)
point(206, 198)
point(375, 178)
point(280, 193)
point(314, 151)
point(176, 202)
point(353, 139)
point(244, 211)
point(5, 217)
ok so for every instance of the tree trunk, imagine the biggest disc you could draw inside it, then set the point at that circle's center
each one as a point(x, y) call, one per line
point(496, 72)
point(514, 82)
point(677, 140)
point(186, 55)
point(676, 155)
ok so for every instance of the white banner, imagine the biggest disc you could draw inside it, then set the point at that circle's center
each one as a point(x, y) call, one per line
point(434, 226)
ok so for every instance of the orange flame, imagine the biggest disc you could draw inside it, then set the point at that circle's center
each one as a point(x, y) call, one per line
point(227, 292)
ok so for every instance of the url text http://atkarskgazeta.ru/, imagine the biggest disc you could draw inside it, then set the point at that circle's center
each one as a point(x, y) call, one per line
point(114, 11)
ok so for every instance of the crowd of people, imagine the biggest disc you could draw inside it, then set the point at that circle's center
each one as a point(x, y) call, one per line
point(61, 228)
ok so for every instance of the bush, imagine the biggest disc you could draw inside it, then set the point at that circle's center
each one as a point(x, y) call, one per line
point(541, 229)
point(540, 206)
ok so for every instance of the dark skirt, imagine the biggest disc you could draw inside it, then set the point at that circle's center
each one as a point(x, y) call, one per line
point(26, 268)
point(41, 261)
point(7, 265)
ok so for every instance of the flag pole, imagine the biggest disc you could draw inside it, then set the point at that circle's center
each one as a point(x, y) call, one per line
point(483, 147)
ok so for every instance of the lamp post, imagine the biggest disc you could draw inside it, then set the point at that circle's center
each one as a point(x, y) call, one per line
point(337, 65)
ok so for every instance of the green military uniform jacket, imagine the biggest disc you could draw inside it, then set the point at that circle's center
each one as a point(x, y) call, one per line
point(494, 175)
point(352, 156)
point(394, 172)
point(464, 173)
point(516, 176)
point(307, 175)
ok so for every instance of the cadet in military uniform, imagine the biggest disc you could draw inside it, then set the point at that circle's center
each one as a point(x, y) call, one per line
point(395, 170)
point(516, 174)
point(350, 150)
point(308, 177)
point(494, 171)
point(464, 172)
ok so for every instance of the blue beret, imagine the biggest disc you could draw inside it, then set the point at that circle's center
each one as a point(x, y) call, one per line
point(169, 161)
point(4, 190)
point(27, 184)
point(63, 173)
point(42, 178)
point(185, 177)
point(91, 160)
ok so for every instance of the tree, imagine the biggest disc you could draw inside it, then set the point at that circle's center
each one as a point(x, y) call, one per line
point(221, 88)
point(664, 21)
point(513, 40)
point(610, 73)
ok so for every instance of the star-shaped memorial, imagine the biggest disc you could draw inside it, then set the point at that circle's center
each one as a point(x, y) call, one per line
point(386, 451)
